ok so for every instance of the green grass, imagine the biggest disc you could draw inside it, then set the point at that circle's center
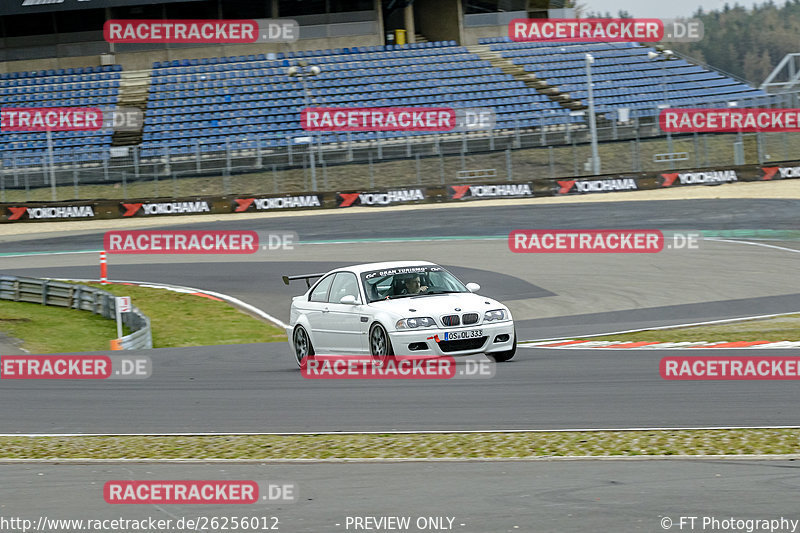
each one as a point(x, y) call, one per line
point(776, 329)
point(177, 320)
point(46, 329)
point(410, 446)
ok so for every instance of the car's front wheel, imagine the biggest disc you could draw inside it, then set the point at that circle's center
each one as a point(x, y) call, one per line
point(380, 346)
point(501, 357)
point(303, 348)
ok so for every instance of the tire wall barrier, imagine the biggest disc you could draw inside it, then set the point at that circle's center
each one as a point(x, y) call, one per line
point(454, 192)
point(74, 296)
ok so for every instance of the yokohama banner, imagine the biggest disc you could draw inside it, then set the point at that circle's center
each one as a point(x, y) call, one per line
point(489, 191)
point(384, 198)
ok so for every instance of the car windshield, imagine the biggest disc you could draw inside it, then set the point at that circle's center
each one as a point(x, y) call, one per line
point(406, 282)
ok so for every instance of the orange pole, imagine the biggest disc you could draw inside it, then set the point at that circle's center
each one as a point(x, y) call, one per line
point(103, 269)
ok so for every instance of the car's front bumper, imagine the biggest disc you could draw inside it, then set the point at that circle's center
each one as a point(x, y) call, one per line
point(495, 337)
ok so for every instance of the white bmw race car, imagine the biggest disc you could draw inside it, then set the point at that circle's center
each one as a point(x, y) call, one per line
point(397, 308)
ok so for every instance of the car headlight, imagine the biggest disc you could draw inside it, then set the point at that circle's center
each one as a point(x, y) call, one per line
point(495, 314)
point(417, 322)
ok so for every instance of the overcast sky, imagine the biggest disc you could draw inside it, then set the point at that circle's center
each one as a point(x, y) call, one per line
point(663, 9)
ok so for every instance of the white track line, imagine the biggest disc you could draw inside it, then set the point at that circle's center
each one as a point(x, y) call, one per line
point(656, 328)
point(410, 432)
point(793, 250)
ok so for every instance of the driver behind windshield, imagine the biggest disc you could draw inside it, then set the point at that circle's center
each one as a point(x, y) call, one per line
point(413, 286)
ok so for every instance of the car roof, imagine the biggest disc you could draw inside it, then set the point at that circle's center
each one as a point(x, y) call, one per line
point(366, 267)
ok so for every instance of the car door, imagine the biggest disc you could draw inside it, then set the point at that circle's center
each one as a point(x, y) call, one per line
point(315, 309)
point(341, 323)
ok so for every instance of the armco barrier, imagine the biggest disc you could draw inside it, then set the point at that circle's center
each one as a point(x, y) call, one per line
point(382, 197)
point(74, 296)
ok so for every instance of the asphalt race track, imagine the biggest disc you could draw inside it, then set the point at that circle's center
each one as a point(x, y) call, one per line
point(257, 388)
point(498, 497)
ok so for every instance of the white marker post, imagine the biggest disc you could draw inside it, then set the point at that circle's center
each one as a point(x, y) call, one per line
point(123, 305)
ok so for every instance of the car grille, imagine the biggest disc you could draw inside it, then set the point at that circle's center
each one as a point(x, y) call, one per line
point(470, 318)
point(463, 344)
point(450, 320)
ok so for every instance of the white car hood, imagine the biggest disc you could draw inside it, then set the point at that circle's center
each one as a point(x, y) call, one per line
point(437, 305)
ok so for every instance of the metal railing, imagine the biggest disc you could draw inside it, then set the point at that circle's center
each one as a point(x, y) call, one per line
point(82, 297)
point(546, 150)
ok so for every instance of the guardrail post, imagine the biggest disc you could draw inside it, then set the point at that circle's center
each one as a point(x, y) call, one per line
point(44, 292)
point(77, 304)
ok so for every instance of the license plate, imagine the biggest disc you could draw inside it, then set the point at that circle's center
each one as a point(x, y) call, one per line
point(460, 335)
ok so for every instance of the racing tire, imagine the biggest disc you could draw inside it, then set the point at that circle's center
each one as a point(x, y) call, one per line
point(303, 349)
point(502, 357)
point(380, 346)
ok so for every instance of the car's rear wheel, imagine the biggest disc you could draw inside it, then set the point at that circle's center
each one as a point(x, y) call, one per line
point(303, 349)
point(501, 357)
point(380, 346)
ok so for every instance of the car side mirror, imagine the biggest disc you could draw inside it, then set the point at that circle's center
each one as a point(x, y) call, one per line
point(348, 299)
point(473, 287)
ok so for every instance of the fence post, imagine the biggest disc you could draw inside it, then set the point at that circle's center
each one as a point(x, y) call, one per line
point(574, 158)
point(419, 175)
point(551, 153)
point(136, 162)
point(75, 187)
point(14, 167)
point(197, 154)
point(441, 168)
point(509, 175)
point(259, 162)
point(517, 140)
point(380, 144)
point(228, 155)
point(274, 180)
point(44, 291)
point(289, 149)
point(541, 130)
point(3, 187)
point(408, 146)
point(349, 146)
point(491, 140)
point(371, 175)
point(124, 185)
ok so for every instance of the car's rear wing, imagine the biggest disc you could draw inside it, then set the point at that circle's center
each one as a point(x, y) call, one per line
point(307, 277)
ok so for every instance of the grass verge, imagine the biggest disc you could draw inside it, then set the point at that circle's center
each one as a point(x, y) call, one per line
point(775, 329)
point(409, 446)
point(68, 330)
point(177, 320)
point(180, 319)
